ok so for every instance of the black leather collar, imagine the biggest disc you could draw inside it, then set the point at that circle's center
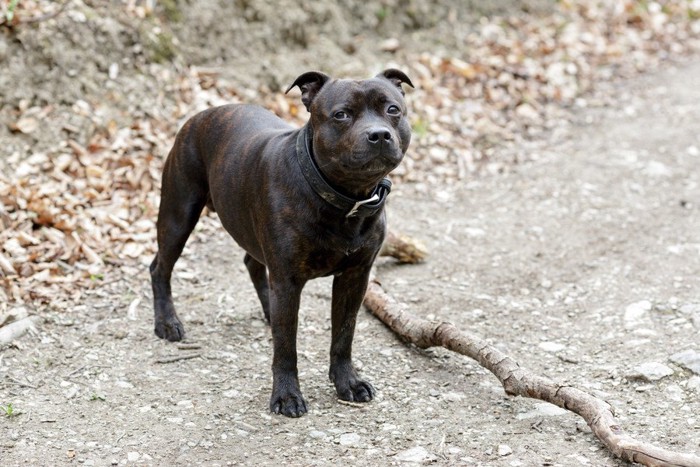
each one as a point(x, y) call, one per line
point(351, 207)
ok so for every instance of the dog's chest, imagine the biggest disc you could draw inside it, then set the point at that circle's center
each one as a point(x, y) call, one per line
point(332, 254)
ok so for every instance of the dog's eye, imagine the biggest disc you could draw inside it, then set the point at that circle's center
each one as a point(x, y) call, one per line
point(341, 115)
point(393, 110)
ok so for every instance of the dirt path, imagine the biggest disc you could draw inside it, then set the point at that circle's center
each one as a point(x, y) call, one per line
point(582, 265)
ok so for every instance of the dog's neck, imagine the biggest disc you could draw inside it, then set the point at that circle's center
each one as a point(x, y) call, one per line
point(351, 206)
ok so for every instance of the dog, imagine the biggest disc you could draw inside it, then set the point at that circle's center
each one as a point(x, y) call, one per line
point(302, 202)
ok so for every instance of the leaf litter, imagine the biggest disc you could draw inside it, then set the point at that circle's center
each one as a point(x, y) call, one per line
point(81, 214)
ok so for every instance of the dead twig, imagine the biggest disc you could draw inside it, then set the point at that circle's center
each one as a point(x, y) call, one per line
point(176, 358)
point(21, 383)
point(188, 346)
point(359, 405)
point(518, 382)
point(74, 372)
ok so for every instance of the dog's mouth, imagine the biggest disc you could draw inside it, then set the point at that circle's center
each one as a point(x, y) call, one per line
point(378, 167)
point(375, 162)
point(357, 177)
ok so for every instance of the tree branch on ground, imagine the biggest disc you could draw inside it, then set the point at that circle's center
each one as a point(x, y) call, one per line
point(517, 381)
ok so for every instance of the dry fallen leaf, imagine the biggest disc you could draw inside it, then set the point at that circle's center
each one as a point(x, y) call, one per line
point(6, 266)
point(25, 125)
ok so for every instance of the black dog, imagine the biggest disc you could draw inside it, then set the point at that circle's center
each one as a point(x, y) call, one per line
point(303, 203)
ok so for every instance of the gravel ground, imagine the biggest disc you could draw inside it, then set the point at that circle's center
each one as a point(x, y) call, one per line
point(583, 265)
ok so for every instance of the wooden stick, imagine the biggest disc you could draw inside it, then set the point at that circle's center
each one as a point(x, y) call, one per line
point(519, 382)
point(177, 358)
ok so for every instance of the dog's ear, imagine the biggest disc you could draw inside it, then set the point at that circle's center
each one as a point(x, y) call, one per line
point(309, 83)
point(397, 77)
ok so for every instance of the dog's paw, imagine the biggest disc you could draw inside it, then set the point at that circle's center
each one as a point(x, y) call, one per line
point(170, 329)
point(356, 390)
point(290, 404)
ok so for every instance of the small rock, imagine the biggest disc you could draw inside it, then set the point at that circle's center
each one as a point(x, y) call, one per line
point(390, 45)
point(675, 393)
point(504, 450)
point(527, 112)
point(113, 72)
point(133, 456)
point(658, 169)
point(694, 384)
point(474, 232)
point(453, 397)
point(246, 426)
point(72, 392)
point(635, 312)
point(417, 454)
point(644, 332)
point(350, 439)
point(26, 125)
point(688, 359)
point(551, 347)
point(690, 308)
point(317, 434)
point(693, 310)
point(650, 372)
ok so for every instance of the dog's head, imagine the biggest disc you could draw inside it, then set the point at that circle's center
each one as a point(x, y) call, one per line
point(360, 130)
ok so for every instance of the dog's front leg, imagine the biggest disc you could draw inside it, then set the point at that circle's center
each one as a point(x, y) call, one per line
point(348, 292)
point(284, 312)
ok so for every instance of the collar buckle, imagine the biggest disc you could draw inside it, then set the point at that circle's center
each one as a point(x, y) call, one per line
point(357, 205)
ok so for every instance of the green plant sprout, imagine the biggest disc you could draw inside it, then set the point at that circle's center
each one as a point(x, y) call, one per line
point(10, 13)
point(9, 409)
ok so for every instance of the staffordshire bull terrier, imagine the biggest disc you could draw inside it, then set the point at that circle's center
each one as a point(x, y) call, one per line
point(303, 203)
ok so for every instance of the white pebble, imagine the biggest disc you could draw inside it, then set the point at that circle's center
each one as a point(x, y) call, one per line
point(551, 347)
point(350, 439)
point(504, 450)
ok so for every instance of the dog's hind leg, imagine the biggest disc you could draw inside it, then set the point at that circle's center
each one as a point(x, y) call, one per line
point(183, 196)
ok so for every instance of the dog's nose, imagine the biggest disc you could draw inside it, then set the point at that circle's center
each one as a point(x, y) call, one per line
point(377, 135)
